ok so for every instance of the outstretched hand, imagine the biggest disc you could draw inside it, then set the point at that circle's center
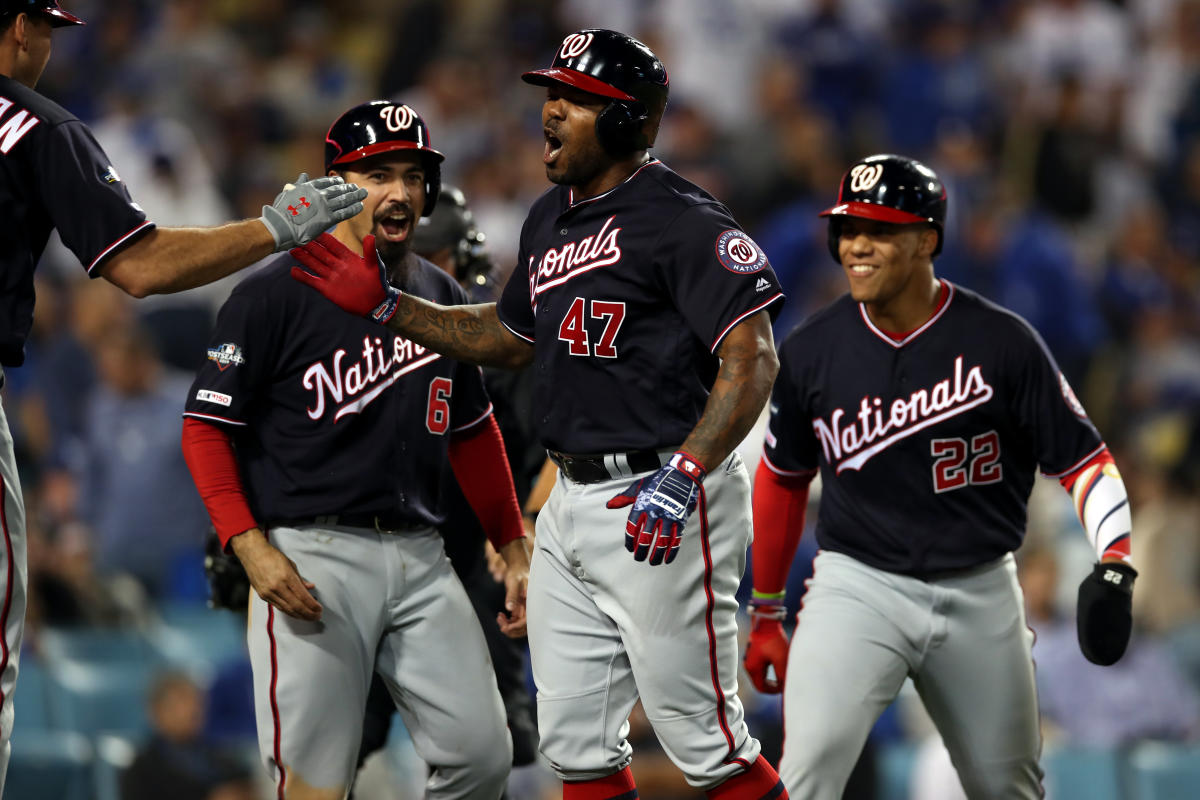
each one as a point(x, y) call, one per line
point(303, 209)
point(357, 284)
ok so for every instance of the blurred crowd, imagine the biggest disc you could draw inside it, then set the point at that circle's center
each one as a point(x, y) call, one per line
point(1066, 131)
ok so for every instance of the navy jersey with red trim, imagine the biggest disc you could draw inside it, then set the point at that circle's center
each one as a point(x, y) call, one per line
point(927, 447)
point(331, 413)
point(626, 297)
point(53, 175)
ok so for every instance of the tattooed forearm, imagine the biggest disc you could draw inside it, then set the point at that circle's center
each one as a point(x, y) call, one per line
point(748, 367)
point(467, 333)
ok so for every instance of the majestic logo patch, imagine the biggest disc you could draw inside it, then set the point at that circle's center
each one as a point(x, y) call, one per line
point(737, 252)
point(877, 427)
point(865, 176)
point(214, 397)
point(226, 354)
point(574, 45)
point(1069, 395)
point(762, 285)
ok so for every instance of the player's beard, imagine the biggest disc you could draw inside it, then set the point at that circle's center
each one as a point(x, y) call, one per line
point(582, 167)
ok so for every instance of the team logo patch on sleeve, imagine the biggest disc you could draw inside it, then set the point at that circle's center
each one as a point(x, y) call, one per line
point(226, 354)
point(737, 252)
point(214, 397)
point(1069, 395)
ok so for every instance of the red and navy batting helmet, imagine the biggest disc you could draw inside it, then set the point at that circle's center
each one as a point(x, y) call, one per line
point(620, 68)
point(381, 126)
point(889, 188)
point(48, 8)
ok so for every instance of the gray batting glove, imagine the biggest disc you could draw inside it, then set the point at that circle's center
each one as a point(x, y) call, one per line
point(303, 210)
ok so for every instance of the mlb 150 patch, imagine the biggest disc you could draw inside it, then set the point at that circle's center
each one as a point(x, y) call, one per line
point(737, 252)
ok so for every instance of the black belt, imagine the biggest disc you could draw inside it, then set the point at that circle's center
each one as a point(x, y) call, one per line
point(608, 466)
point(384, 523)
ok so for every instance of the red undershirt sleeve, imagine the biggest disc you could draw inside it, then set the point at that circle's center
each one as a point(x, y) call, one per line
point(779, 504)
point(480, 464)
point(208, 450)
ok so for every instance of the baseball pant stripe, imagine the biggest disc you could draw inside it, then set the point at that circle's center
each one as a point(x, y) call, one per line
point(8, 592)
point(275, 702)
point(702, 511)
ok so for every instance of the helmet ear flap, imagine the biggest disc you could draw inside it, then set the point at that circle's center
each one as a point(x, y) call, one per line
point(619, 127)
point(835, 233)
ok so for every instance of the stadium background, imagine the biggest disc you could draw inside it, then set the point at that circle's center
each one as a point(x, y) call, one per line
point(1067, 131)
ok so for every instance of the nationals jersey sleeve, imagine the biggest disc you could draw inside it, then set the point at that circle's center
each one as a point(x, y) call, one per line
point(330, 412)
point(973, 395)
point(626, 297)
point(53, 175)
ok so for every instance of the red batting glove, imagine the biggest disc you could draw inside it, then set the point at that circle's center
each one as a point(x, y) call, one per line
point(357, 284)
point(768, 647)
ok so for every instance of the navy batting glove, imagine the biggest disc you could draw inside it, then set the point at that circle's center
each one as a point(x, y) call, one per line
point(662, 502)
point(1103, 615)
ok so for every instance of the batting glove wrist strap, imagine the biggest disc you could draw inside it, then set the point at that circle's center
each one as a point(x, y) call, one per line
point(1104, 612)
point(303, 210)
point(762, 611)
point(662, 503)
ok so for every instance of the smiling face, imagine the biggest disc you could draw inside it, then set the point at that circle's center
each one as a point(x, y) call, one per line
point(883, 261)
point(573, 155)
point(395, 184)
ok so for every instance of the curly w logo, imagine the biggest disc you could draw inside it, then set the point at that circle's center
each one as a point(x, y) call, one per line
point(574, 45)
point(397, 118)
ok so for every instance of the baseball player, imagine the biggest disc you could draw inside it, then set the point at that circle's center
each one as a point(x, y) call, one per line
point(645, 311)
point(926, 409)
point(317, 441)
point(53, 175)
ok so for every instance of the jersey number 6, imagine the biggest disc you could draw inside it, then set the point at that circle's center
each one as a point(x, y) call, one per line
point(437, 417)
point(950, 470)
point(573, 329)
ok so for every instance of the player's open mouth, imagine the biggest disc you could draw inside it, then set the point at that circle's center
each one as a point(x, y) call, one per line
point(553, 148)
point(395, 227)
point(862, 269)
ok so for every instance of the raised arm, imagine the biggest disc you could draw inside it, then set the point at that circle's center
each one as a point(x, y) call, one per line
point(166, 260)
point(358, 284)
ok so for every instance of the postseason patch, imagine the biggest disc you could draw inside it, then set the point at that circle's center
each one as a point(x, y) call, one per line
point(225, 355)
point(1069, 395)
point(737, 252)
point(214, 397)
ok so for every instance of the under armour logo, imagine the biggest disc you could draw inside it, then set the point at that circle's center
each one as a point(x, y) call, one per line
point(303, 204)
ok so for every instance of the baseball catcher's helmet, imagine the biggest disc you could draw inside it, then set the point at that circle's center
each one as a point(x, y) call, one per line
point(453, 226)
point(50, 8)
point(621, 68)
point(889, 188)
point(378, 127)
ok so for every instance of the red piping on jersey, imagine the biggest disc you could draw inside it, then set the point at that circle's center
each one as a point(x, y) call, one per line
point(571, 192)
point(214, 418)
point(943, 294)
point(721, 337)
point(106, 251)
point(475, 421)
point(8, 587)
point(710, 602)
point(937, 314)
point(787, 473)
point(1078, 465)
point(278, 734)
point(520, 336)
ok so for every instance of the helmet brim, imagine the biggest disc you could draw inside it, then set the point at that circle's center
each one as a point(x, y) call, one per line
point(874, 211)
point(575, 78)
point(385, 147)
point(60, 18)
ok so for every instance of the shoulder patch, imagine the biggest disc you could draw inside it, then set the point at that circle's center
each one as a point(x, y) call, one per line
point(1069, 395)
point(225, 355)
point(738, 253)
point(214, 397)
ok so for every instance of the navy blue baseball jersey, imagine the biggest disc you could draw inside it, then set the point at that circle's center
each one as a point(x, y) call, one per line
point(53, 175)
point(330, 412)
point(626, 297)
point(927, 446)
